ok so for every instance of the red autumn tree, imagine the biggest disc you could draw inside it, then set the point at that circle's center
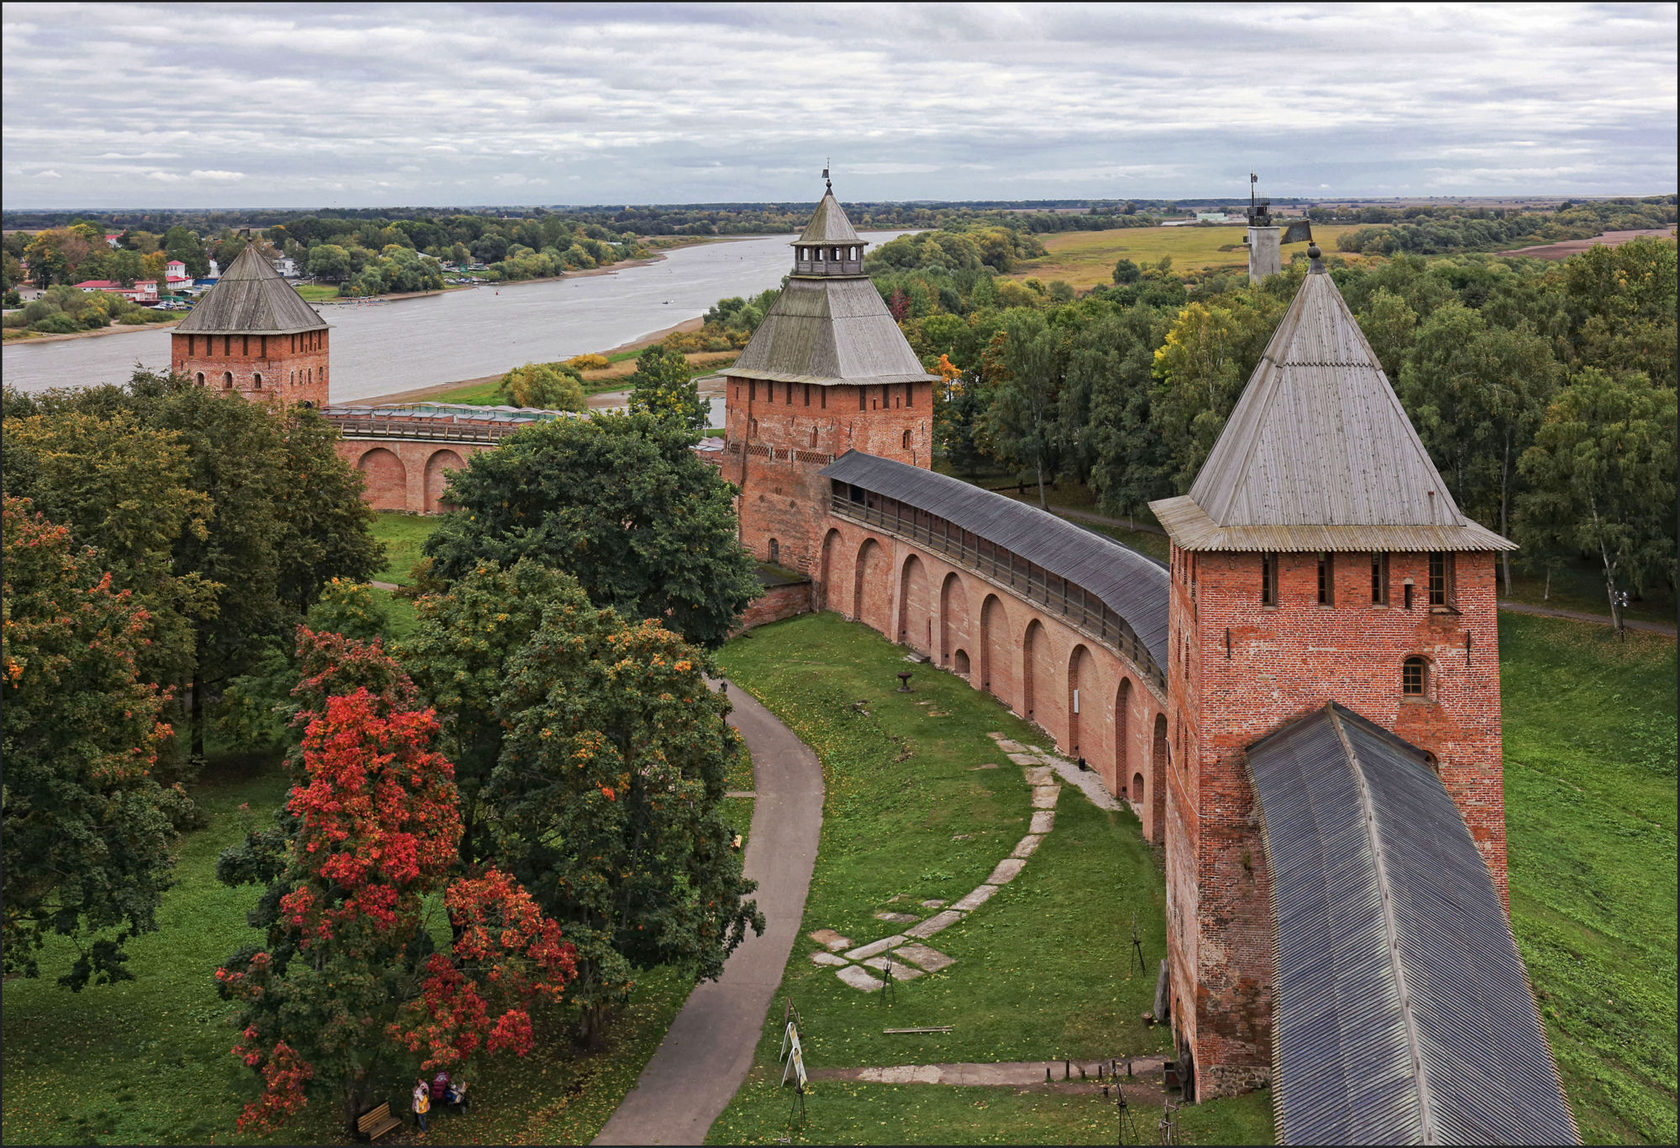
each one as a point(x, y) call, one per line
point(349, 980)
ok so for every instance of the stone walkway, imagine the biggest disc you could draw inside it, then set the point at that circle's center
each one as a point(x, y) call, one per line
point(710, 1045)
point(1016, 1074)
point(865, 967)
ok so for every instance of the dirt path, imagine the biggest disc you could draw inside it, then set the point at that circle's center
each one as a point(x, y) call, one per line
point(1583, 616)
point(1568, 247)
point(709, 1048)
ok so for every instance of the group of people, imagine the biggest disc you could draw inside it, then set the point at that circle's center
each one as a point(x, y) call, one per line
point(442, 1090)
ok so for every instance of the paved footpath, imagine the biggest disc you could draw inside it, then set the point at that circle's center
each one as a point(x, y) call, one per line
point(710, 1046)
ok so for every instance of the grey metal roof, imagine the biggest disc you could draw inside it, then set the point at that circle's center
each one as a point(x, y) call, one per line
point(829, 331)
point(1133, 586)
point(828, 224)
point(1401, 1009)
point(1319, 440)
point(251, 298)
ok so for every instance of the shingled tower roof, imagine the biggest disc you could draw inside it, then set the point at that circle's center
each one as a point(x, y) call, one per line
point(828, 225)
point(829, 326)
point(251, 299)
point(1319, 454)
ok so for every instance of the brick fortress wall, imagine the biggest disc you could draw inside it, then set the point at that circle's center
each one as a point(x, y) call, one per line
point(1282, 662)
point(292, 368)
point(781, 435)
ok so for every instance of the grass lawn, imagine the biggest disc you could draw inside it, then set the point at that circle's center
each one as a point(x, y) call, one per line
point(315, 292)
point(1590, 818)
point(147, 1061)
point(1085, 258)
point(1040, 970)
point(403, 535)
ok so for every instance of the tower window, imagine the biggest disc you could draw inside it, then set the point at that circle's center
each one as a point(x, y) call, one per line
point(245, 346)
point(906, 440)
point(807, 394)
point(790, 394)
point(1440, 578)
point(256, 381)
point(775, 551)
point(813, 436)
point(861, 399)
point(1414, 677)
point(1268, 579)
point(909, 394)
point(227, 380)
point(201, 378)
point(822, 393)
point(1379, 579)
point(1326, 579)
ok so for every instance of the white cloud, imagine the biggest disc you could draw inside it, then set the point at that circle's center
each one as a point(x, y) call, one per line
point(671, 103)
point(49, 173)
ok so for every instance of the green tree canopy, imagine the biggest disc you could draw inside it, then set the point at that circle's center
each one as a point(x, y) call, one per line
point(619, 502)
point(663, 385)
point(87, 830)
point(548, 386)
point(1602, 473)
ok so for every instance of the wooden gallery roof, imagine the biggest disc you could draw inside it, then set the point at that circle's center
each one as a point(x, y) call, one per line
point(1319, 454)
point(251, 299)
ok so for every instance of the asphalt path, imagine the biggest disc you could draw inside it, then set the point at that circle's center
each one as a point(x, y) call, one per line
point(710, 1045)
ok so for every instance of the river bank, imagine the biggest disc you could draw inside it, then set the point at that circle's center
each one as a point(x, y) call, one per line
point(114, 329)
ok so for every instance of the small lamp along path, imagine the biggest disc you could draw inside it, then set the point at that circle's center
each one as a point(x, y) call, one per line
point(861, 967)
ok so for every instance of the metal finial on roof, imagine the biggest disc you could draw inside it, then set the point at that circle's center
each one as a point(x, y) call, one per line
point(827, 183)
point(1314, 254)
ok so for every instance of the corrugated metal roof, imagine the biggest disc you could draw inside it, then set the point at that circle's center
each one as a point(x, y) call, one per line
point(828, 224)
point(1133, 586)
point(251, 298)
point(1319, 439)
point(829, 331)
point(1401, 1009)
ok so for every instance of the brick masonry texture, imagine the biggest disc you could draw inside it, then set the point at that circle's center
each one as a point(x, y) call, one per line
point(1237, 671)
point(404, 474)
point(775, 604)
point(291, 368)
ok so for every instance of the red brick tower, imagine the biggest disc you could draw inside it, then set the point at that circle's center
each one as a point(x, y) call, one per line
point(1318, 557)
point(253, 334)
point(826, 372)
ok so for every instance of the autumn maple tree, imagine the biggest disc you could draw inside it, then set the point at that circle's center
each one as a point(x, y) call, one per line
point(349, 980)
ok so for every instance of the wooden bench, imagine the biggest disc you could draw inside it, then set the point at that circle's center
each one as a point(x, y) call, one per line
point(376, 1122)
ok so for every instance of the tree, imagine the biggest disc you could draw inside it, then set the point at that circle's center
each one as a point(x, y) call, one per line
point(549, 386)
point(329, 262)
point(1602, 472)
point(1126, 271)
point(1476, 394)
point(458, 657)
point(348, 976)
point(1113, 359)
point(1025, 365)
point(87, 830)
point(619, 502)
point(1389, 325)
point(608, 800)
point(663, 385)
point(326, 530)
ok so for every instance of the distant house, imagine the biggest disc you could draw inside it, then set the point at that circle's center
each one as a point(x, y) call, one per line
point(176, 277)
point(1211, 217)
point(144, 291)
point(286, 267)
point(113, 239)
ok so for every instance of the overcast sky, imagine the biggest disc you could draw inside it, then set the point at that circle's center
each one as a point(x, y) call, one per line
point(298, 105)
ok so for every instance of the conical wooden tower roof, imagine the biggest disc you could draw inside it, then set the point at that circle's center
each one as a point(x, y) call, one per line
point(1319, 454)
point(829, 327)
point(828, 224)
point(251, 299)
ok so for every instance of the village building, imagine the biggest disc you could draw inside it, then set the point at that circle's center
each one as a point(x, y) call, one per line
point(143, 290)
point(252, 333)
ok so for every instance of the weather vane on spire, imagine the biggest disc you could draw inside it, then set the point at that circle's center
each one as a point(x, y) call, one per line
point(828, 183)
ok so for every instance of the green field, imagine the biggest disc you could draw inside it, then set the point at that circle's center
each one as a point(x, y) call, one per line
point(1085, 258)
point(402, 535)
point(1590, 817)
point(910, 813)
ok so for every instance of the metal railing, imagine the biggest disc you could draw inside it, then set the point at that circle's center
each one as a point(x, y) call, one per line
point(1009, 571)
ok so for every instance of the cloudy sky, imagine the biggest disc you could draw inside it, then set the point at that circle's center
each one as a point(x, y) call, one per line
point(299, 105)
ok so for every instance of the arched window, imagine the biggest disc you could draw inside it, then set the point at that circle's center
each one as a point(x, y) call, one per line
point(227, 380)
point(906, 440)
point(256, 381)
point(813, 436)
point(1414, 677)
point(201, 378)
point(775, 551)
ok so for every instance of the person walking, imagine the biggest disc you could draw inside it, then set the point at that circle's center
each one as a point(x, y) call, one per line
point(422, 1102)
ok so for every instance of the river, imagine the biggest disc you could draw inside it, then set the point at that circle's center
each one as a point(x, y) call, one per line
point(383, 348)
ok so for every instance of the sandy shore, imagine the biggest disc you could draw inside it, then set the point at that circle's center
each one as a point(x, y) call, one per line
point(113, 329)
